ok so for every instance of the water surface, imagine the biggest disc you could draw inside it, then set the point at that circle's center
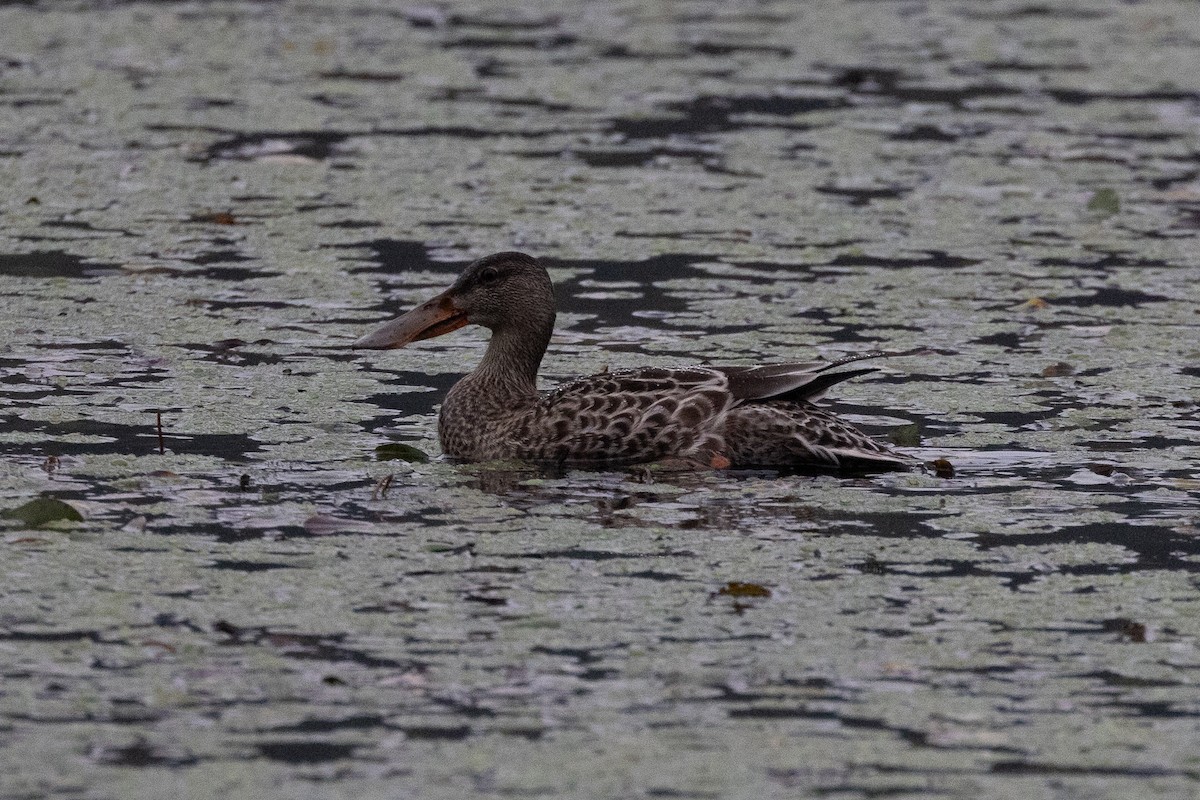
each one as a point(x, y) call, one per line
point(207, 202)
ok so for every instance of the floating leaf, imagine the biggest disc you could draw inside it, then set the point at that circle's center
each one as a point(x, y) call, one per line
point(1058, 370)
point(135, 525)
point(328, 525)
point(1128, 629)
point(739, 589)
point(1035, 303)
point(26, 540)
point(400, 452)
point(873, 566)
point(906, 435)
point(43, 511)
point(1105, 201)
point(214, 217)
point(942, 468)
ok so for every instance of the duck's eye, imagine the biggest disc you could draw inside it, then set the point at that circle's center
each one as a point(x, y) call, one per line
point(488, 276)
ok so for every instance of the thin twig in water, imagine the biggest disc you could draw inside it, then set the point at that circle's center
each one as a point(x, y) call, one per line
point(381, 488)
point(158, 417)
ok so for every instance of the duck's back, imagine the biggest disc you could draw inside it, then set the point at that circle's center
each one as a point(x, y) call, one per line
point(628, 417)
point(744, 416)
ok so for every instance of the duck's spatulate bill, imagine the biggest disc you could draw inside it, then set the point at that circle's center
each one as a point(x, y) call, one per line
point(434, 317)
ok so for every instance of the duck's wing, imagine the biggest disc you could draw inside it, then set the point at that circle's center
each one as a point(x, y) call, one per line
point(808, 381)
point(751, 415)
point(798, 434)
point(628, 416)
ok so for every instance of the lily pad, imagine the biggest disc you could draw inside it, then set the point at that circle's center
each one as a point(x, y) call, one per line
point(1105, 201)
point(43, 511)
point(906, 435)
point(742, 589)
point(400, 452)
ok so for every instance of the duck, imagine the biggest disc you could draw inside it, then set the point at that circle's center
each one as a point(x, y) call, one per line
point(761, 416)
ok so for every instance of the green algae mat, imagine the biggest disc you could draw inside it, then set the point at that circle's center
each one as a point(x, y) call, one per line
point(234, 565)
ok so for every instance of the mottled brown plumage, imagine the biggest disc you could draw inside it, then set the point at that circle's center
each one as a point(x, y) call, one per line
point(718, 416)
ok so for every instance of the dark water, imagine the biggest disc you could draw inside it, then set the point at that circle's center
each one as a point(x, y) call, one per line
point(207, 202)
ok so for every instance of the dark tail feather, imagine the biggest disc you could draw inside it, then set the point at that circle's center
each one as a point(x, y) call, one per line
point(794, 381)
point(817, 388)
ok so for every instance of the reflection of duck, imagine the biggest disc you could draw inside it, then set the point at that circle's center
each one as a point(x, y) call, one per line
point(718, 416)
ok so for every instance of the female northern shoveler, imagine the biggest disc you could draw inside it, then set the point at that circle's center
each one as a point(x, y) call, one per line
point(717, 416)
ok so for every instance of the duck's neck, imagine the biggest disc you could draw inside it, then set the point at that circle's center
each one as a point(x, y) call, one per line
point(484, 414)
point(510, 365)
point(506, 378)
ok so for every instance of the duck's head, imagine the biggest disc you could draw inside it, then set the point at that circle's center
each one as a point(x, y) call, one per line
point(503, 292)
